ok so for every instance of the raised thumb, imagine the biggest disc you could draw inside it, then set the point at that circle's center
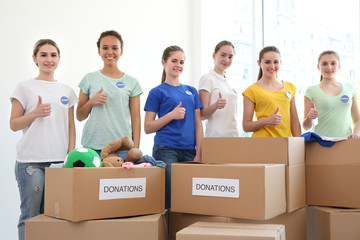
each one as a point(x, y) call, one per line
point(179, 105)
point(313, 104)
point(276, 111)
point(220, 96)
point(101, 90)
point(40, 100)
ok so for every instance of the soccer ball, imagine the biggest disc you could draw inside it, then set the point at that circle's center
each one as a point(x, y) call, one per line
point(82, 157)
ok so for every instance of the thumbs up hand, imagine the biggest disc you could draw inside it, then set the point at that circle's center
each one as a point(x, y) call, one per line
point(313, 113)
point(99, 98)
point(221, 102)
point(42, 109)
point(275, 118)
point(178, 112)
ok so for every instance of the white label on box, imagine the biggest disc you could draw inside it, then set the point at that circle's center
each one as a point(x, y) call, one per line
point(119, 188)
point(216, 187)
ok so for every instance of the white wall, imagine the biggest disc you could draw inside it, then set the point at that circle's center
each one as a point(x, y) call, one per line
point(148, 27)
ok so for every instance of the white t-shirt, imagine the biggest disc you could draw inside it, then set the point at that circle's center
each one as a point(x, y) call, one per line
point(222, 123)
point(46, 139)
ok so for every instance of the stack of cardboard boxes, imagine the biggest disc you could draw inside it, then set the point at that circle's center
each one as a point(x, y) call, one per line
point(333, 190)
point(100, 203)
point(246, 188)
point(256, 181)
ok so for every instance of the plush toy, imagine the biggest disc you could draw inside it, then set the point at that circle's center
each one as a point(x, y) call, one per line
point(110, 158)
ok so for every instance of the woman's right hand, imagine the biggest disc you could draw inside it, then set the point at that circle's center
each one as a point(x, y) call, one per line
point(42, 109)
point(178, 112)
point(313, 113)
point(221, 102)
point(99, 98)
point(275, 118)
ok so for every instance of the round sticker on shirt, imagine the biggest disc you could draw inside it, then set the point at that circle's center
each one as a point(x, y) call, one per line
point(288, 94)
point(344, 98)
point(64, 100)
point(120, 85)
point(188, 93)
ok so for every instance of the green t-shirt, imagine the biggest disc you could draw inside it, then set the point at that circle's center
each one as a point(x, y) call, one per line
point(112, 120)
point(334, 118)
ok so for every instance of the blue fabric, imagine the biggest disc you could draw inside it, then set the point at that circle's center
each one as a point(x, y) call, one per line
point(31, 179)
point(170, 155)
point(311, 136)
point(178, 134)
point(152, 161)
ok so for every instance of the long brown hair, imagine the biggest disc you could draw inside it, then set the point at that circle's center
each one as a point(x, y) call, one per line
point(328, 52)
point(261, 55)
point(166, 54)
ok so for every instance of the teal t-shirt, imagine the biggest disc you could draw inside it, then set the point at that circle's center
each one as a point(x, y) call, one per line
point(334, 118)
point(112, 120)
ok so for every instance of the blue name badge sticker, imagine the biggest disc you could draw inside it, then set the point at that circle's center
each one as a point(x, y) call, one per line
point(120, 84)
point(288, 94)
point(345, 98)
point(188, 93)
point(64, 100)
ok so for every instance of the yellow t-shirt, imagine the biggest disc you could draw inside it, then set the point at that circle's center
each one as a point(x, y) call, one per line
point(266, 103)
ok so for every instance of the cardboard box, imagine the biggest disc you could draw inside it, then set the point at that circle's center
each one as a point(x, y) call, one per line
point(231, 231)
point(278, 150)
point(326, 223)
point(252, 191)
point(332, 174)
point(150, 227)
point(295, 222)
point(78, 194)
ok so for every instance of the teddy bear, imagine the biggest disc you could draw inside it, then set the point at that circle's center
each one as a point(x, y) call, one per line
point(110, 158)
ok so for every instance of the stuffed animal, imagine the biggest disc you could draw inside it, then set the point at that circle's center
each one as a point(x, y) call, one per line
point(110, 158)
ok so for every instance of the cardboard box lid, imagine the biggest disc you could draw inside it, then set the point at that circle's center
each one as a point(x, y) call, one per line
point(342, 152)
point(211, 230)
point(246, 150)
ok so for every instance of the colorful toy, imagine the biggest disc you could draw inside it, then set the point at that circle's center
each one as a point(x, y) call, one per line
point(82, 157)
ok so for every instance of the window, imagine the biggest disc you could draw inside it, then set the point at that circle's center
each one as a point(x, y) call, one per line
point(301, 29)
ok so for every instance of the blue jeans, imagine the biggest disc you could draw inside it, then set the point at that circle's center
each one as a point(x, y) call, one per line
point(30, 178)
point(171, 155)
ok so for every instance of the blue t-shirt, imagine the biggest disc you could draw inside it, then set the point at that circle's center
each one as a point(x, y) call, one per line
point(178, 134)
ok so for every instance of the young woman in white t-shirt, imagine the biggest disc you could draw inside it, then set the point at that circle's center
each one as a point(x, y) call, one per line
point(219, 99)
point(44, 110)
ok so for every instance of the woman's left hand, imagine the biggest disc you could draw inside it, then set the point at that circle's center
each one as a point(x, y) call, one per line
point(354, 136)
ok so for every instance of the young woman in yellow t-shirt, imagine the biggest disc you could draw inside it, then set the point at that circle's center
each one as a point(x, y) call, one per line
point(272, 100)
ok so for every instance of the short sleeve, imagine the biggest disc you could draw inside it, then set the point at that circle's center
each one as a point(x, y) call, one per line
point(308, 93)
point(206, 84)
point(84, 85)
point(18, 94)
point(137, 89)
point(153, 101)
point(198, 103)
point(73, 98)
point(292, 88)
point(249, 93)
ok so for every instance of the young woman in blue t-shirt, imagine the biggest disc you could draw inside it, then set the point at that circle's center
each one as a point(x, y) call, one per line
point(178, 126)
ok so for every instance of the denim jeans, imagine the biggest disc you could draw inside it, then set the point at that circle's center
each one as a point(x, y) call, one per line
point(30, 178)
point(171, 155)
